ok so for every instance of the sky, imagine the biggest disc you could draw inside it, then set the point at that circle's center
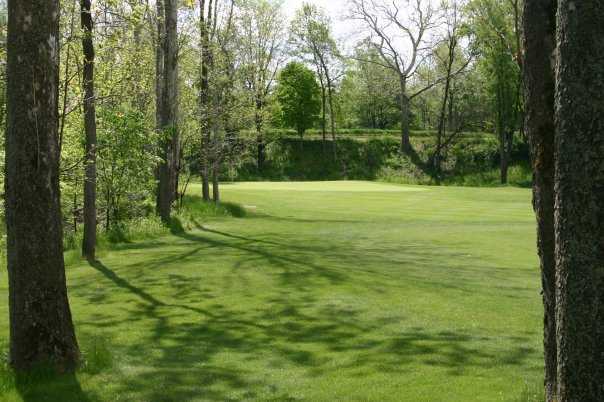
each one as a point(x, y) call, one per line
point(346, 32)
point(336, 9)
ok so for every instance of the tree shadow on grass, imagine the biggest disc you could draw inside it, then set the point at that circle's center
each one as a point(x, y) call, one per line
point(124, 284)
point(289, 262)
point(190, 336)
point(43, 386)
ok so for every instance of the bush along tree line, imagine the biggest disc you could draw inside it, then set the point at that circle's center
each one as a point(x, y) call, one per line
point(113, 107)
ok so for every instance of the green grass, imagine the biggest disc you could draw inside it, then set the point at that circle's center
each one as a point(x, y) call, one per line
point(332, 291)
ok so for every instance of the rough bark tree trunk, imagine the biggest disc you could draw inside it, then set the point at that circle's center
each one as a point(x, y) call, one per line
point(41, 328)
point(579, 200)
point(89, 240)
point(169, 111)
point(539, 44)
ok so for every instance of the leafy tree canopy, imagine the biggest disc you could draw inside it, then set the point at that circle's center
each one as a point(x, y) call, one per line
point(299, 96)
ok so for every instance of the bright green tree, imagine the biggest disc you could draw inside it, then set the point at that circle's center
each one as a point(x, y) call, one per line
point(299, 96)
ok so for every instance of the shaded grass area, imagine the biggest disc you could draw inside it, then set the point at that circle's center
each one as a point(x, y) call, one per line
point(327, 291)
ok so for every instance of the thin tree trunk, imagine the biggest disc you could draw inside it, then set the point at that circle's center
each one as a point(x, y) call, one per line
point(205, 25)
point(539, 36)
point(176, 176)
point(169, 109)
point(502, 134)
point(323, 111)
point(259, 137)
point(159, 91)
point(504, 158)
point(41, 328)
point(74, 209)
point(159, 62)
point(404, 106)
point(172, 95)
point(332, 116)
point(579, 200)
point(89, 240)
point(443, 111)
point(205, 185)
point(215, 182)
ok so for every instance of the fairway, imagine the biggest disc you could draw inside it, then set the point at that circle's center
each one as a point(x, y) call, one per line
point(345, 291)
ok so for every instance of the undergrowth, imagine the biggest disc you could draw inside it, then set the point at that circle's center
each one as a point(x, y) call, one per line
point(186, 217)
point(471, 161)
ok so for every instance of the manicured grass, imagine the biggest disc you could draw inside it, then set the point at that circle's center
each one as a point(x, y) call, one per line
point(347, 291)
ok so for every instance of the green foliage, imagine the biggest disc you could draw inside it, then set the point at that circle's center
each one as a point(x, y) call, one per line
point(493, 36)
point(472, 161)
point(299, 97)
point(192, 213)
point(369, 92)
point(125, 165)
point(195, 210)
point(519, 175)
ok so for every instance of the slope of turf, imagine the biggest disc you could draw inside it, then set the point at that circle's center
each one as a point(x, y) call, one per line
point(343, 291)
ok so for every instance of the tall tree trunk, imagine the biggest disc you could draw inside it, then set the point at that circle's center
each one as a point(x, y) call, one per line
point(259, 136)
point(443, 111)
point(176, 173)
point(215, 182)
point(41, 328)
point(504, 157)
point(539, 44)
point(323, 111)
point(172, 93)
point(159, 62)
point(332, 120)
point(502, 130)
point(205, 26)
point(579, 200)
point(89, 241)
point(159, 88)
point(205, 182)
point(404, 106)
point(169, 110)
